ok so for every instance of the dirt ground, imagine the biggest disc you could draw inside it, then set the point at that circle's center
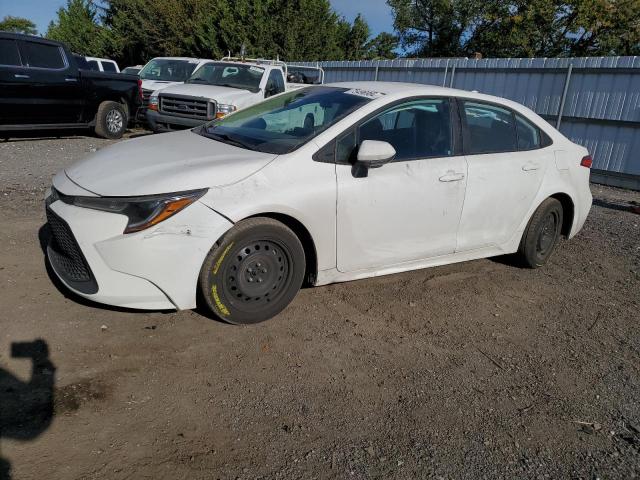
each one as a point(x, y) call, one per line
point(476, 370)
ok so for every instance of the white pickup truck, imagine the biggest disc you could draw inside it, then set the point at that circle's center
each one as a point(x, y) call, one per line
point(218, 88)
point(162, 72)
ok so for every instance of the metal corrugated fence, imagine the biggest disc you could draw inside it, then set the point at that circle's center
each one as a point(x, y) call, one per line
point(595, 101)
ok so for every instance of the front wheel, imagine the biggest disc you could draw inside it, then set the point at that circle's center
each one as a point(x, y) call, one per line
point(111, 120)
point(253, 272)
point(542, 234)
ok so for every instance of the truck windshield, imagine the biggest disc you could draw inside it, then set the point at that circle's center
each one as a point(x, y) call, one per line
point(244, 77)
point(167, 70)
point(285, 122)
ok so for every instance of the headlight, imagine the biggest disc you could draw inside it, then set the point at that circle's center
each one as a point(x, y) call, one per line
point(153, 102)
point(142, 212)
point(222, 110)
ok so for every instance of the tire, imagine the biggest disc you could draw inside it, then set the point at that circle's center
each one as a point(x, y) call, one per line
point(111, 120)
point(253, 272)
point(542, 234)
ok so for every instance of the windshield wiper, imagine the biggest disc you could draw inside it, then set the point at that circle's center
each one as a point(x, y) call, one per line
point(194, 80)
point(224, 138)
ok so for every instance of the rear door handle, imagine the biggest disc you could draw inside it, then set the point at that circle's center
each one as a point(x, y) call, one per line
point(18, 75)
point(528, 167)
point(452, 177)
point(70, 79)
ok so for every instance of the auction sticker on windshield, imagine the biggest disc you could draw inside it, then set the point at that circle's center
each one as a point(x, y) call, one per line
point(364, 93)
point(256, 69)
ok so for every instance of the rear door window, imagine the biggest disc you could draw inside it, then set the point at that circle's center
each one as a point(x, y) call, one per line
point(41, 55)
point(490, 129)
point(9, 54)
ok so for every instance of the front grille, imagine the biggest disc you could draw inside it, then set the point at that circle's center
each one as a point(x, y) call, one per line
point(67, 258)
point(190, 107)
point(146, 94)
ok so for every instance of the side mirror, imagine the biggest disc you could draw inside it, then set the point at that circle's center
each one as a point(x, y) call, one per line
point(375, 154)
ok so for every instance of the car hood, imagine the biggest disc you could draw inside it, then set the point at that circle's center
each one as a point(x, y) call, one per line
point(157, 84)
point(171, 162)
point(212, 92)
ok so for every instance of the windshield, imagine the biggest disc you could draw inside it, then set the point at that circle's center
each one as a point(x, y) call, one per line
point(285, 122)
point(167, 70)
point(245, 77)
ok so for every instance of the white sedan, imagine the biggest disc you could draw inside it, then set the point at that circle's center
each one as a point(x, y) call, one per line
point(319, 185)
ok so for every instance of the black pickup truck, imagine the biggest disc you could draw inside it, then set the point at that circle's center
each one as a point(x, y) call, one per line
point(44, 86)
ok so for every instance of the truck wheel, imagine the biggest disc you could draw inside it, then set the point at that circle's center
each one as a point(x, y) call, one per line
point(542, 234)
point(111, 120)
point(253, 272)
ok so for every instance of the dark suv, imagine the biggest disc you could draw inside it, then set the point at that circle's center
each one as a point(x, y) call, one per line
point(44, 86)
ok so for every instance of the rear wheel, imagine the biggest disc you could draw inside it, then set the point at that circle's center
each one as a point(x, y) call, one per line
point(542, 234)
point(111, 120)
point(253, 272)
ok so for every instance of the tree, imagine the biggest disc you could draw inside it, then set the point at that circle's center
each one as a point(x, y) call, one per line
point(520, 28)
point(78, 26)
point(383, 46)
point(18, 25)
point(355, 41)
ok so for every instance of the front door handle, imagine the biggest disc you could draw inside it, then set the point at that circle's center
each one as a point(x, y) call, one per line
point(529, 167)
point(18, 75)
point(70, 79)
point(452, 177)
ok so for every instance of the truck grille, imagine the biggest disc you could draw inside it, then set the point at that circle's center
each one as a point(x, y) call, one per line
point(190, 107)
point(67, 258)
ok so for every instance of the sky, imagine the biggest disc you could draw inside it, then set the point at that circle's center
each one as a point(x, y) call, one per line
point(41, 12)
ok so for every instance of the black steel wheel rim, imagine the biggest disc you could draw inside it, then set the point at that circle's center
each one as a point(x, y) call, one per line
point(548, 233)
point(257, 275)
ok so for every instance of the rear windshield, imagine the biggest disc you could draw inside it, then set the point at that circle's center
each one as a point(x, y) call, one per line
point(168, 70)
point(308, 75)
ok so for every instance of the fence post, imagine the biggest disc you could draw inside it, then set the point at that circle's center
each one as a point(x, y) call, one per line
point(453, 75)
point(377, 67)
point(563, 99)
point(446, 71)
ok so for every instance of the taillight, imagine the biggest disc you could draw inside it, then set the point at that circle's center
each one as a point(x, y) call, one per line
point(140, 89)
point(587, 161)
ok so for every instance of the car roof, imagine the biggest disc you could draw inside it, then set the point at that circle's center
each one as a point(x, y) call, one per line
point(23, 36)
point(419, 89)
point(182, 58)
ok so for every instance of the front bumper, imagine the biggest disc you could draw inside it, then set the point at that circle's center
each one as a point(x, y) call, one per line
point(160, 122)
point(155, 269)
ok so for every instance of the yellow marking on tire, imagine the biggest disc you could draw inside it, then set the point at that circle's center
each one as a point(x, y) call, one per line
point(216, 267)
point(221, 306)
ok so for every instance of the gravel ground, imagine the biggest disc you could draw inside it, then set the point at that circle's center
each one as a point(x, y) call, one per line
point(475, 370)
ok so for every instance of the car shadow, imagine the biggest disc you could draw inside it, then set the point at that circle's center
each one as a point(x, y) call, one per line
point(510, 260)
point(44, 235)
point(612, 206)
point(37, 135)
point(26, 407)
point(65, 134)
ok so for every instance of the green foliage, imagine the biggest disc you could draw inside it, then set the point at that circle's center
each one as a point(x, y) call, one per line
point(134, 31)
point(521, 28)
point(18, 25)
point(77, 25)
point(382, 47)
point(290, 29)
